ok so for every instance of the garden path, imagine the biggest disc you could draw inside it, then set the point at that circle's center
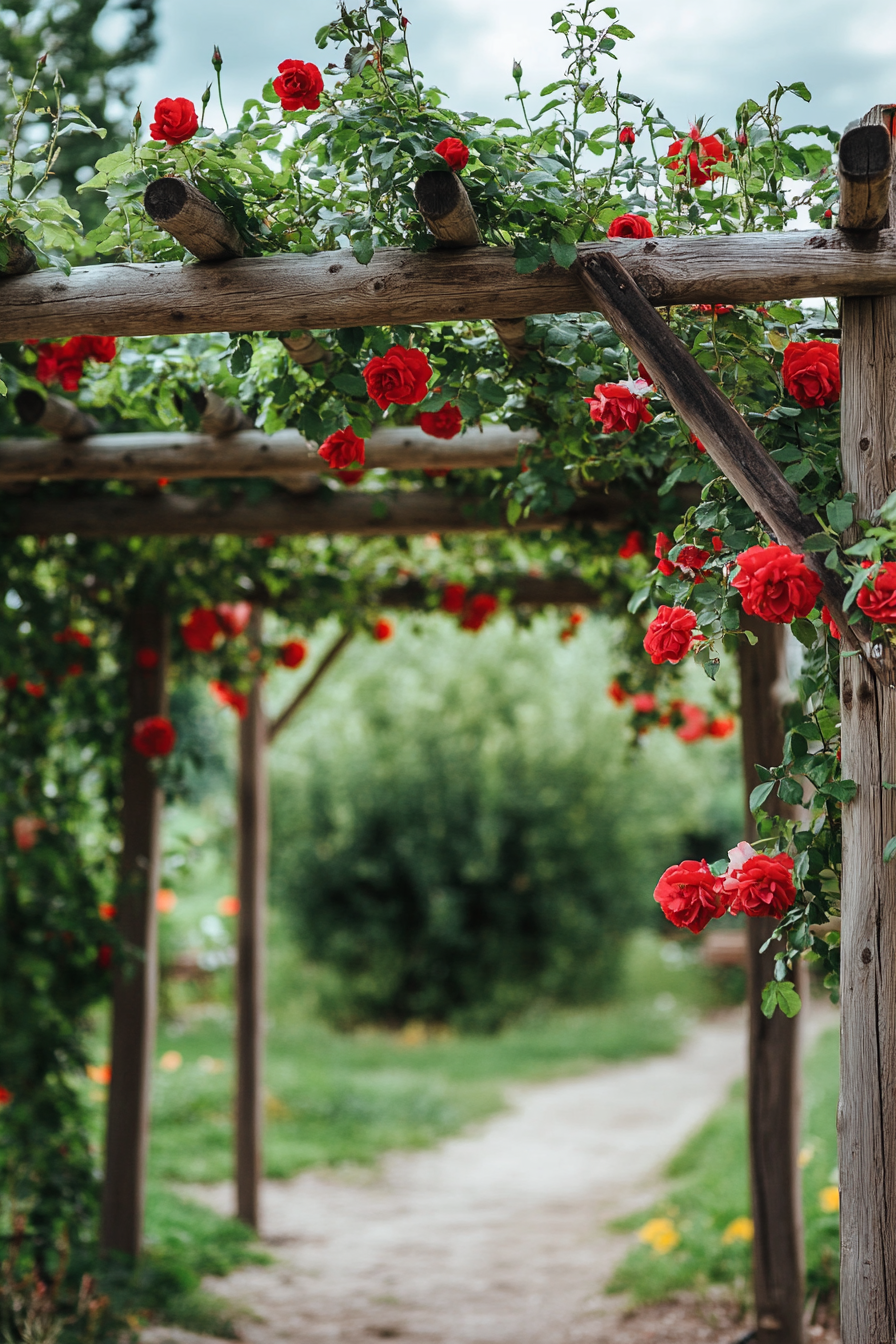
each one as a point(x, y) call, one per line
point(497, 1236)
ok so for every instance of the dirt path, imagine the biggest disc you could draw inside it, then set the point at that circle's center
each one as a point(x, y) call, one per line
point(497, 1236)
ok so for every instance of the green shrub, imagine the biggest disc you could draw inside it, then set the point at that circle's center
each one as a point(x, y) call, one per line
point(460, 826)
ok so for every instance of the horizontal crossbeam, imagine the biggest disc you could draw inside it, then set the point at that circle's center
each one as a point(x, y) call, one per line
point(331, 289)
point(249, 453)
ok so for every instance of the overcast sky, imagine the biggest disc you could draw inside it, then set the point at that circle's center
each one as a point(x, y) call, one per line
point(702, 57)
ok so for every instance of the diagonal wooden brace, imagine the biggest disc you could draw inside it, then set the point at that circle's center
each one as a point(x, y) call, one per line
point(723, 432)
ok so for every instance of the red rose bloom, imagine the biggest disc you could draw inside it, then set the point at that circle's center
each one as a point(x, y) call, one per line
point(633, 545)
point(399, 376)
point(342, 449)
point(443, 424)
point(761, 884)
point(644, 702)
point(293, 653)
point(689, 895)
point(62, 364)
point(627, 136)
point(99, 348)
point(5, 1096)
point(226, 695)
point(202, 630)
point(383, 630)
point(478, 610)
point(350, 478)
point(721, 727)
point(70, 636)
point(811, 372)
point(25, 831)
point(106, 911)
point(233, 617)
point(454, 152)
point(74, 669)
point(615, 407)
point(35, 688)
point(670, 635)
point(776, 584)
point(709, 150)
point(299, 84)
point(828, 620)
point(697, 444)
point(104, 956)
point(617, 693)
point(175, 121)
point(630, 226)
point(696, 723)
point(718, 309)
point(454, 595)
point(879, 602)
point(154, 736)
point(146, 659)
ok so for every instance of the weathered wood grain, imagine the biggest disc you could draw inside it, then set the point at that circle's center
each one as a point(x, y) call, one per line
point(245, 453)
point(447, 210)
point(867, 1113)
point(865, 166)
point(181, 210)
point(331, 289)
point(20, 260)
point(54, 414)
point(219, 418)
point(411, 513)
point(135, 985)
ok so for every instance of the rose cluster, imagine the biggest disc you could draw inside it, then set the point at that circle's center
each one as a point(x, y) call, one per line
point(690, 894)
point(689, 722)
point(472, 609)
point(64, 364)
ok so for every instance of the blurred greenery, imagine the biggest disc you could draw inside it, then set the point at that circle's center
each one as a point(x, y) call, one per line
point(710, 1191)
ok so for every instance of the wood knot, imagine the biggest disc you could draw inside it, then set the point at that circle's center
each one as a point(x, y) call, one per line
point(818, 240)
point(378, 285)
point(651, 246)
point(864, 445)
point(177, 316)
point(866, 955)
point(334, 270)
point(651, 285)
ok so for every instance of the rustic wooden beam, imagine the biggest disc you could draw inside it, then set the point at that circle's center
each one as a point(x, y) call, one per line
point(19, 259)
point(511, 332)
point(865, 158)
point(135, 985)
point(252, 868)
point(867, 1112)
point(306, 350)
point(181, 210)
point(773, 1080)
point(411, 513)
point(724, 433)
point(54, 414)
point(245, 453)
point(276, 726)
point(332, 289)
point(217, 417)
point(446, 209)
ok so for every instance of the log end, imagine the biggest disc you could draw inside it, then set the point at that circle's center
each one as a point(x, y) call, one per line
point(865, 152)
point(30, 406)
point(19, 259)
point(165, 198)
point(437, 194)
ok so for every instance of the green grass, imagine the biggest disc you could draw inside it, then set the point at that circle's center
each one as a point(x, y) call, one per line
point(710, 1190)
point(335, 1098)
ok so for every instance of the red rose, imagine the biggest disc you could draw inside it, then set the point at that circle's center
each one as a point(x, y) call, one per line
point(74, 669)
point(62, 364)
point(293, 653)
point(106, 911)
point(706, 151)
point(342, 449)
point(99, 348)
point(633, 545)
point(697, 444)
point(35, 688)
point(617, 692)
point(226, 695)
point(350, 478)
point(627, 136)
point(443, 424)
point(25, 831)
point(689, 895)
point(630, 226)
point(616, 407)
point(454, 152)
point(878, 602)
point(811, 372)
point(399, 376)
point(454, 595)
point(670, 635)
point(644, 374)
point(718, 309)
point(722, 727)
point(146, 659)
point(154, 736)
point(299, 84)
point(759, 884)
point(265, 541)
point(478, 610)
point(233, 617)
point(644, 702)
point(202, 630)
point(695, 726)
point(104, 958)
point(776, 584)
point(11, 682)
point(70, 636)
point(383, 630)
point(175, 121)
point(5, 1096)
point(828, 620)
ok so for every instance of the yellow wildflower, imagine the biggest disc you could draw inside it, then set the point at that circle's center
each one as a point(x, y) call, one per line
point(661, 1234)
point(739, 1229)
point(806, 1155)
point(829, 1199)
point(171, 1061)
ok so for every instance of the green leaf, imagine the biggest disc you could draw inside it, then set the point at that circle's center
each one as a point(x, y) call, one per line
point(791, 791)
point(637, 599)
point(363, 249)
point(840, 514)
point(818, 542)
point(514, 509)
point(844, 790)
point(564, 253)
point(890, 849)
point(780, 994)
point(759, 794)
point(350, 383)
point(800, 90)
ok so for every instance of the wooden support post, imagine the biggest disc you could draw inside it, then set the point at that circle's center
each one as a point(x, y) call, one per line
point(323, 667)
point(218, 417)
point(134, 993)
point(446, 209)
point(773, 1094)
point(16, 257)
point(252, 889)
point(865, 170)
point(305, 350)
point(181, 209)
point(867, 1115)
point(54, 414)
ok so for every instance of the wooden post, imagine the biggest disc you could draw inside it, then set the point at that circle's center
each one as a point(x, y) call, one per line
point(54, 414)
point(181, 209)
point(134, 993)
point(773, 1099)
point(867, 1117)
point(252, 889)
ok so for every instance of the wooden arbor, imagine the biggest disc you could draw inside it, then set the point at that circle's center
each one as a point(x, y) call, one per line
point(625, 281)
